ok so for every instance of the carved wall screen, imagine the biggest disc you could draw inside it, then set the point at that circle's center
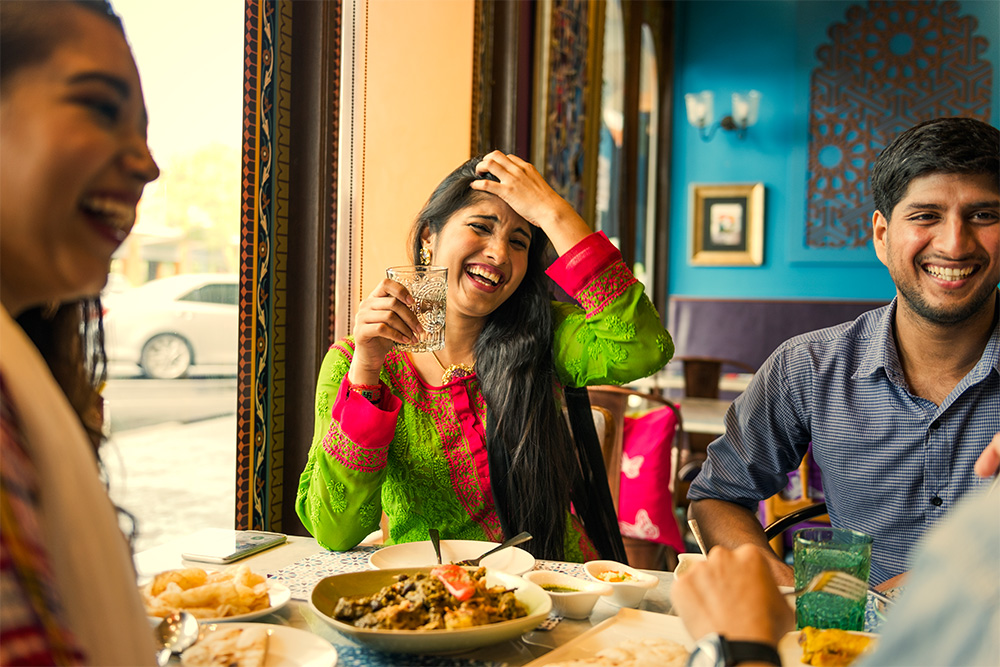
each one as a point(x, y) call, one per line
point(889, 66)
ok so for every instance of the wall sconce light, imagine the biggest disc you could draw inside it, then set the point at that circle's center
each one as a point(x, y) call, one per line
point(744, 113)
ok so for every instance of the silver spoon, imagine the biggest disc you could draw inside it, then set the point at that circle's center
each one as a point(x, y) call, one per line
point(175, 633)
point(435, 542)
point(512, 542)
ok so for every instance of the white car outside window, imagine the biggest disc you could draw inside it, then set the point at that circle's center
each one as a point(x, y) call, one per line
point(173, 326)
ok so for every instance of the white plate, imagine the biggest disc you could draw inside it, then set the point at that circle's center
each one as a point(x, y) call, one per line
point(791, 652)
point(626, 624)
point(278, 595)
point(511, 560)
point(292, 647)
point(327, 592)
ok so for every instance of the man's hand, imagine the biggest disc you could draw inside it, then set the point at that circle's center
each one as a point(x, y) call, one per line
point(988, 462)
point(730, 525)
point(733, 593)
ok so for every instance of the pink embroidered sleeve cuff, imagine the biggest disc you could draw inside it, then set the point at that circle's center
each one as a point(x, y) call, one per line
point(592, 272)
point(580, 264)
point(369, 426)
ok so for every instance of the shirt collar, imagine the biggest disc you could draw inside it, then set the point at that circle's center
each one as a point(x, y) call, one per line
point(991, 355)
point(883, 353)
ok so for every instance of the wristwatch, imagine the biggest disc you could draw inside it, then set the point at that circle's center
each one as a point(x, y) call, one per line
point(714, 650)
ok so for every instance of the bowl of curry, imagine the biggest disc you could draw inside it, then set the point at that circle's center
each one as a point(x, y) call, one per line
point(411, 610)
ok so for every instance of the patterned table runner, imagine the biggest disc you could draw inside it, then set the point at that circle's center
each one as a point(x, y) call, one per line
point(303, 575)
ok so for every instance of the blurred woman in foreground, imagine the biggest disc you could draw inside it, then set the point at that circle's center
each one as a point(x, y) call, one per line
point(73, 165)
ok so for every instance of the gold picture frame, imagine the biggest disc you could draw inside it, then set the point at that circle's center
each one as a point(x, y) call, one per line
point(727, 225)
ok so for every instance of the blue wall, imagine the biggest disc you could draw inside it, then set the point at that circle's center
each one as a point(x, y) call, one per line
point(727, 46)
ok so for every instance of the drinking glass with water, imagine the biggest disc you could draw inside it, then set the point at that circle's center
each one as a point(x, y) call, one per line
point(428, 285)
point(820, 549)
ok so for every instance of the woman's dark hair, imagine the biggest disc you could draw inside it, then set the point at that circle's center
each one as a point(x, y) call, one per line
point(530, 451)
point(30, 30)
point(70, 337)
point(938, 146)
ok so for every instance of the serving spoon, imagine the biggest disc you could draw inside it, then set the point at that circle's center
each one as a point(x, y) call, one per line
point(512, 542)
point(175, 633)
point(435, 542)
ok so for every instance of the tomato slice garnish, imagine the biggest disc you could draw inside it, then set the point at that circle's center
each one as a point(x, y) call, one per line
point(456, 579)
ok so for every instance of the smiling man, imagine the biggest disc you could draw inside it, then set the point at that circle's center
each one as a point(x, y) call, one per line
point(899, 403)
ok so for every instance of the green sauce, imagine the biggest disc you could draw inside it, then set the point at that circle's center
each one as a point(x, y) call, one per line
point(559, 589)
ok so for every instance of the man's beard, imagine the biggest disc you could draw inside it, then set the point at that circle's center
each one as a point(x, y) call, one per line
point(918, 304)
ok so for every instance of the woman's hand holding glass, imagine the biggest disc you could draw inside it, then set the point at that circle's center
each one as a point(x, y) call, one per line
point(383, 319)
point(531, 197)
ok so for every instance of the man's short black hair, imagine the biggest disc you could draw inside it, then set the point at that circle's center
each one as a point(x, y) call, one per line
point(939, 146)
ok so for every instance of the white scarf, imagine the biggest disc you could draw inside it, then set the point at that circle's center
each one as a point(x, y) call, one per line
point(87, 551)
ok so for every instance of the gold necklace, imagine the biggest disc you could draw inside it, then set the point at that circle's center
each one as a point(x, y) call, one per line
point(455, 371)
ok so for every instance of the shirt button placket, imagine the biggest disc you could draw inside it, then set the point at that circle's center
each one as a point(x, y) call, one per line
point(937, 461)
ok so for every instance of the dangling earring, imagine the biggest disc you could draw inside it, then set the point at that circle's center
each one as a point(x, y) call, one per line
point(425, 256)
point(50, 309)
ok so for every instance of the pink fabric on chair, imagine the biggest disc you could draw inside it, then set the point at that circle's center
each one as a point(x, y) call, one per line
point(645, 504)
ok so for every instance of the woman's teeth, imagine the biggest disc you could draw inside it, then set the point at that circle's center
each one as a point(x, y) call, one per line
point(484, 274)
point(946, 273)
point(113, 212)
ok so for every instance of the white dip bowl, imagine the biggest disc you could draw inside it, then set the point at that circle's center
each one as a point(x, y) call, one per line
point(685, 561)
point(576, 604)
point(624, 593)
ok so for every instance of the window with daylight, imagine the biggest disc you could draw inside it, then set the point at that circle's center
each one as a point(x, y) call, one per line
point(171, 301)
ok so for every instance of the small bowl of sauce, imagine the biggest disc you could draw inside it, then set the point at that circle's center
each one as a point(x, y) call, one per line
point(628, 585)
point(572, 597)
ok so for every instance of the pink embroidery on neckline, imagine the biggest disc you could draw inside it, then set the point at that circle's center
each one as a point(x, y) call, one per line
point(461, 434)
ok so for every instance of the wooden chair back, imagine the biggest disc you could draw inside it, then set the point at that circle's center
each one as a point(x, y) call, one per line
point(615, 400)
point(702, 374)
point(701, 380)
point(778, 507)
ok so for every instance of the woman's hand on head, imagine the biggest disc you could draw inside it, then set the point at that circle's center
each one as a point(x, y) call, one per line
point(525, 191)
point(383, 319)
point(733, 593)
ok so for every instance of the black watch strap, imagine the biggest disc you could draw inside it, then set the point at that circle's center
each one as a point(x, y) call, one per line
point(739, 652)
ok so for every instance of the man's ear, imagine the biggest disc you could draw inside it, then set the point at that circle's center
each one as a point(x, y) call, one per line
point(880, 231)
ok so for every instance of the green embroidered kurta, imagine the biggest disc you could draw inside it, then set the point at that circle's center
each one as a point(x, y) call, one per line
point(420, 455)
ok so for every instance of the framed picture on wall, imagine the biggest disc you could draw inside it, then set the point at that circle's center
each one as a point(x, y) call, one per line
point(727, 225)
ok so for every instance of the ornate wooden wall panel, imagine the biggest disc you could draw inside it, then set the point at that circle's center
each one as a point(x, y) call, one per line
point(571, 77)
point(889, 66)
point(248, 221)
point(482, 77)
point(334, 54)
point(272, 456)
point(263, 232)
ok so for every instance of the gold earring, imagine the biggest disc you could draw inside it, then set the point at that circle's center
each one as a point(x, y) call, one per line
point(425, 256)
point(50, 309)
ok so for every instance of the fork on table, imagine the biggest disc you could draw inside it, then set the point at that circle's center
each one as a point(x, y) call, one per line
point(842, 584)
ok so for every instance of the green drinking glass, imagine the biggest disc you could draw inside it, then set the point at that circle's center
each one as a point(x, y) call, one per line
point(821, 549)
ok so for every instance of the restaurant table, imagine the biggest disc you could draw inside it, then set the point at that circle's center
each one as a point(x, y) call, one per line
point(671, 382)
point(300, 563)
point(704, 415)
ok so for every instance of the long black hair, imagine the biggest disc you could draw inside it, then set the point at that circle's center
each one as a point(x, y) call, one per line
point(531, 455)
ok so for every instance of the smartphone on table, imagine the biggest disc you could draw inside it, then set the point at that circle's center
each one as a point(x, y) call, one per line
point(224, 546)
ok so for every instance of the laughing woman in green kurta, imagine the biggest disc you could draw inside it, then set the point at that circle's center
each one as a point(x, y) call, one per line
point(480, 451)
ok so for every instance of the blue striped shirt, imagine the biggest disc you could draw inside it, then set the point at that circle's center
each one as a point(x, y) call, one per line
point(893, 463)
